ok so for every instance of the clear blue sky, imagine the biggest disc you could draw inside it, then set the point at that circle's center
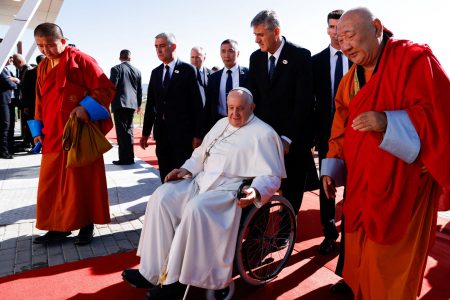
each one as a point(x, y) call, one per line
point(102, 28)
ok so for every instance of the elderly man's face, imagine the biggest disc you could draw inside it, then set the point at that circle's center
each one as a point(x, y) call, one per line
point(239, 109)
point(197, 58)
point(164, 50)
point(359, 39)
point(266, 39)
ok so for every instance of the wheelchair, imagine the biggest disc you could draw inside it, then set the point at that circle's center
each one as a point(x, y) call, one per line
point(265, 241)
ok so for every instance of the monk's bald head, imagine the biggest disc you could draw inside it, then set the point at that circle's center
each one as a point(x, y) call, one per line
point(360, 36)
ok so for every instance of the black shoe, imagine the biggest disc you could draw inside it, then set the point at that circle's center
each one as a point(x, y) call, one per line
point(327, 246)
point(6, 156)
point(85, 235)
point(172, 291)
point(341, 287)
point(122, 162)
point(51, 237)
point(135, 279)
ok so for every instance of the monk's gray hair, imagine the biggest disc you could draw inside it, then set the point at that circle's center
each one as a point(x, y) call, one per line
point(248, 96)
point(170, 37)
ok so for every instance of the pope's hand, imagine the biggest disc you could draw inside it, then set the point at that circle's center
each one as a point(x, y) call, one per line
point(251, 194)
point(177, 174)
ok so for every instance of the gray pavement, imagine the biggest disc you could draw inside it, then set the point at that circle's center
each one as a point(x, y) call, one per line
point(129, 188)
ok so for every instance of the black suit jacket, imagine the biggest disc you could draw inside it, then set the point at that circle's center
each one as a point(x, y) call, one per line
point(178, 108)
point(6, 87)
point(286, 102)
point(127, 80)
point(322, 93)
point(211, 115)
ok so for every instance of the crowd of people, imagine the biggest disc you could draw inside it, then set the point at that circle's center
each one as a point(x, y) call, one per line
point(373, 106)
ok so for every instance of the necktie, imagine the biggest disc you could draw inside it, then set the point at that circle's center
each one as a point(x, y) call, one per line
point(271, 66)
point(199, 77)
point(337, 77)
point(229, 83)
point(166, 77)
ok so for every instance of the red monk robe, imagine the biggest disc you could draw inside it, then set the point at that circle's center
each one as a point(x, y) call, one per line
point(69, 198)
point(390, 206)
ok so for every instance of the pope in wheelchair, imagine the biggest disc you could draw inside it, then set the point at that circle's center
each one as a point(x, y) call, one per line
point(192, 221)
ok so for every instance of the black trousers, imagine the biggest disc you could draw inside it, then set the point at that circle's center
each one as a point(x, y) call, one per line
point(12, 125)
point(297, 163)
point(171, 152)
point(327, 210)
point(26, 132)
point(4, 128)
point(123, 120)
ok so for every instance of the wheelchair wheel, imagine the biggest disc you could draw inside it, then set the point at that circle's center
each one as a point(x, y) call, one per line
point(265, 241)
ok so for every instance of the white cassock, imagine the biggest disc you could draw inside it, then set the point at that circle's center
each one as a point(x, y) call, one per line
point(191, 225)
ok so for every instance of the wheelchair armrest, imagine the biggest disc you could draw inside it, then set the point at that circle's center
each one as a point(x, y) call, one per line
point(245, 184)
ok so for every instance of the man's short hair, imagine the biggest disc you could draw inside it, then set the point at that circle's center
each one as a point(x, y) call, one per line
point(248, 96)
point(268, 18)
point(50, 30)
point(125, 54)
point(335, 14)
point(170, 37)
point(233, 43)
point(199, 49)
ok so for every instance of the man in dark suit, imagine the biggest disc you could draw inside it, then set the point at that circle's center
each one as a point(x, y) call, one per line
point(280, 78)
point(174, 108)
point(127, 100)
point(29, 101)
point(7, 84)
point(198, 57)
point(326, 81)
point(221, 82)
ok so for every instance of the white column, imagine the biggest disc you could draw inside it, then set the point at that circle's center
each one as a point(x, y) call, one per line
point(17, 28)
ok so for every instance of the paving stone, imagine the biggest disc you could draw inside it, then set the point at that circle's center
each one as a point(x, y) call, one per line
point(7, 254)
point(8, 243)
point(7, 266)
point(98, 248)
point(23, 257)
point(25, 230)
point(85, 251)
point(23, 245)
point(18, 268)
point(119, 236)
point(55, 259)
point(39, 249)
point(39, 261)
point(124, 245)
point(133, 237)
point(69, 251)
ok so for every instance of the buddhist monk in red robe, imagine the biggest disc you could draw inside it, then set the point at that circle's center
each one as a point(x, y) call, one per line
point(69, 198)
point(389, 145)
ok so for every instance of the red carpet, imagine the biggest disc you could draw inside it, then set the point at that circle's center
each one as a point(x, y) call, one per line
point(96, 278)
